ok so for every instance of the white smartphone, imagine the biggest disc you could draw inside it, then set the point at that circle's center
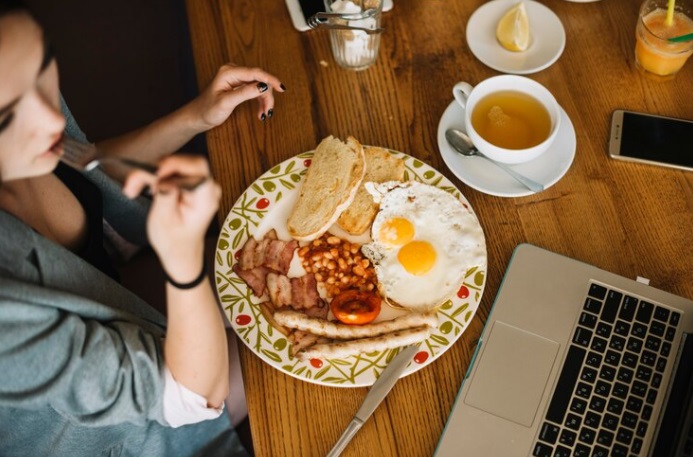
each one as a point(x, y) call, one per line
point(652, 139)
point(301, 10)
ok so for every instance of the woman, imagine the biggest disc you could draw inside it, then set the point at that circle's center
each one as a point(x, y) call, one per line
point(86, 367)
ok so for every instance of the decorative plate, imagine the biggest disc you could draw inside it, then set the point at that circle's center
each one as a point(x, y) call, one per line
point(266, 205)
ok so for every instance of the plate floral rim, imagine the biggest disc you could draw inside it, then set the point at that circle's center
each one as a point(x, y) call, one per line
point(254, 207)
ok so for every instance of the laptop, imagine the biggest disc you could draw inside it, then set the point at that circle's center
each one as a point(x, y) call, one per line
point(576, 361)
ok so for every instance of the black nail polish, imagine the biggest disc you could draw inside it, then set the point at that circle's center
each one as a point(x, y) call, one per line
point(282, 86)
point(263, 117)
point(262, 87)
point(270, 113)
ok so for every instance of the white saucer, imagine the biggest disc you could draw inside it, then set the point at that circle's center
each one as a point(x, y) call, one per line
point(482, 175)
point(547, 38)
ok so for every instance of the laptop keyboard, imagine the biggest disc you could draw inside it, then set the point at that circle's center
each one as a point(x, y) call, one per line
point(602, 404)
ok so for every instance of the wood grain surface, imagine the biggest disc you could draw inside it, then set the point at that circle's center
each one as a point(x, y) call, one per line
point(627, 218)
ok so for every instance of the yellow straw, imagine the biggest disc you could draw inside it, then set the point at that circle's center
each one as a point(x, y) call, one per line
point(670, 13)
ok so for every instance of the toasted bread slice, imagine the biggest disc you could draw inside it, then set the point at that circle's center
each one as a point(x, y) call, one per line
point(330, 184)
point(381, 166)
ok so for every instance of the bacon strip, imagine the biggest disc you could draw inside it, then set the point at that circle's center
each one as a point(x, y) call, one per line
point(279, 289)
point(254, 278)
point(297, 320)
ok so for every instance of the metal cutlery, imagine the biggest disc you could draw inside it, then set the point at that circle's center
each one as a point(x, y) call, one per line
point(375, 396)
point(85, 156)
point(337, 21)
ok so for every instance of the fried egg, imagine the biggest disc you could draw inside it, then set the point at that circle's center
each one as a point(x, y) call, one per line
point(423, 242)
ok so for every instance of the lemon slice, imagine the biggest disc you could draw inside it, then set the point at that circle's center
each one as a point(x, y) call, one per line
point(513, 29)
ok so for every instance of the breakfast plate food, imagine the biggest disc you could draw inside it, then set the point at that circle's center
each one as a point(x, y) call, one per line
point(480, 174)
point(272, 316)
point(547, 38)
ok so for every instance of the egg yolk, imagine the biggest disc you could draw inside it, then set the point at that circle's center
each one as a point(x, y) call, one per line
point(396, 231)
point(417, 257)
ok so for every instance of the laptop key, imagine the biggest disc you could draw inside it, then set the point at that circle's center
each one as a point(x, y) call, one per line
point(588, 374)
point(612, 358)
point(581, 451)
point(592, 305)
point(597, 291)
point(561, 451)
point(666, 349)
point(609, 421)
point(657, 328)
point(629, 420)
point(653, 343)
point(630, 360)
point(592, 419)
point(625, 375)
point(619, 451)
point(628, 308)
point(607, 373)
point(639, 330)
point(587, 435)
point(603, 330)
point(588, 320)
point(661, 314)
point(674, 319)
point(567, 437)
point(542, 450)
point(661, 364)
point(599, 451)
point(582, 336)
point(611, 305)
point(624, 436)
point(621, 328)
point(583, 390)
point(603, 388)
point(599, 344)
point(656, 380)
point(671, 332)
point(636, 447)
point(615, 406)
point(573, 422)
point(566, 382)
point(597, 404)
point(648, 358)
point(641, 430)
point(549, 433)
point(620, 390)
point(643, 373)
point(634, 404)
point(617, 342)
point(644, 313)
point(634, 344)
point(605, 438)
point(578, 406)
point(593, 359)
point(646, 412)
point(639, 388)
point(651, 396)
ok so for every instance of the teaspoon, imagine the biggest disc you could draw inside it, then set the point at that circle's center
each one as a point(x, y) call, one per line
point(462, 144)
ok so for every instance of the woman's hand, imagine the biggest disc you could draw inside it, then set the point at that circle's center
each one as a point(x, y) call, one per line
point(178, 219)
point(232, 86)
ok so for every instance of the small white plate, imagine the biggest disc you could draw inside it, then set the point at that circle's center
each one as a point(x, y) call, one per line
point(547, 38)
point(482, 175)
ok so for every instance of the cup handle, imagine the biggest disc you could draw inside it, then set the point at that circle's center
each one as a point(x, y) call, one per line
point(461, 92)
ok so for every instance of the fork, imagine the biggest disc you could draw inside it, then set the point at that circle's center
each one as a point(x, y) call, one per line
point(85, 156)
point(326, 21)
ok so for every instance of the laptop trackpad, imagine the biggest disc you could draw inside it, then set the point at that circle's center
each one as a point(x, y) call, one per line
point(512, 373)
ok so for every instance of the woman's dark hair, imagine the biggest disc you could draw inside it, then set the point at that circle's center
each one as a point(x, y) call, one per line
point(8, 6)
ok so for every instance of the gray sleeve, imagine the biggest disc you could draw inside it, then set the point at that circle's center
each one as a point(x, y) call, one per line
point(127, 217)
point(96, 368)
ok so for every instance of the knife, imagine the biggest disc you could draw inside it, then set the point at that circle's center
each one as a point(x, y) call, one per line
point(378, 392)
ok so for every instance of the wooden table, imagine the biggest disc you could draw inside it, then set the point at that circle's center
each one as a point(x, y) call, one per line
point(628, 218)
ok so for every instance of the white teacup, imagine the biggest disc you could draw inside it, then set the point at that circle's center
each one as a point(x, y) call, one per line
point(469, 96)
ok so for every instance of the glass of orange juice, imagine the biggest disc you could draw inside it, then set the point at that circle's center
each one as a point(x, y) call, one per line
point(654, 54)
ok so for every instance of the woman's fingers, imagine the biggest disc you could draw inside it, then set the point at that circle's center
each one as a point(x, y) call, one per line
point(137, 181)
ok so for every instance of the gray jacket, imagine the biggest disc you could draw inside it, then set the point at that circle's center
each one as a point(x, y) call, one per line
point(80, 356)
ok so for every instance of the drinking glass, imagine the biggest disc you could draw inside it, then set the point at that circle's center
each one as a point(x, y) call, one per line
point(355, 49)
point(654, 54)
